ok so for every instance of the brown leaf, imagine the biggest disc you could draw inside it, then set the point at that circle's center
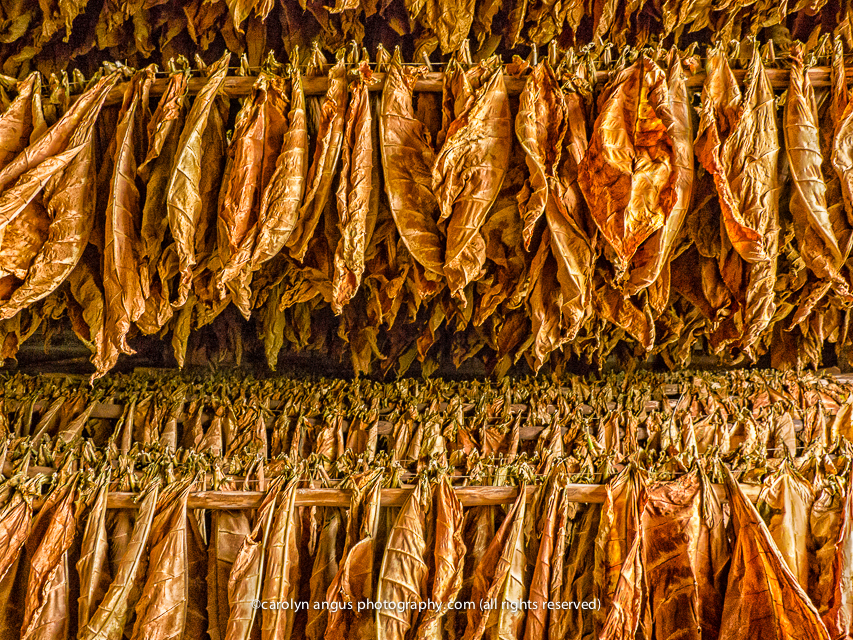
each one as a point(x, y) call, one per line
point(282, 575)
point(407, 161)
point(323, 164)
point(357, 201)
point(282, 197)
point(92, 567)
point(46, 608)
point(468, 173)
point(763, 598)
point(403, 575)
point(247, 572)
point(108, 621)
point(628, 172)
point(184, 194)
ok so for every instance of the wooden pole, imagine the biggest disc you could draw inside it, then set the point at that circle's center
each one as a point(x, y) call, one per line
point(433, 82)
point(468, 496)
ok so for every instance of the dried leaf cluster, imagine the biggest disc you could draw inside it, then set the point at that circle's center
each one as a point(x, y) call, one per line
point(385, 228)
point(53, 36)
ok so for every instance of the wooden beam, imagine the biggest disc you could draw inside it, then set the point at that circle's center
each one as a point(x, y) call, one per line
point(433, 82)
point(468, 496)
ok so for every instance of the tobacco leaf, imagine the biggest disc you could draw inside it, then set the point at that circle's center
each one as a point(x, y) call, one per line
point(357, 194)
point(50, 153)
point(324, 162)
point(325, 567)
point(448, 557)
point(228, 531)
point(785, 503)
point(123, 296)
point(763, 598)
point(162, 608)
point(251, 157)
point(70, 210)
point(282, 197)
point(817, 226)
point(185, 205)
point(468, 172)
point(46, 608)
point(500, 577)
point(838, 615)
point(281, 577)
point(737, 143)
point(649, 262)
point(92, 567)
point(619, 528)
point(22, 121)
point(544, 576)
point(108, 621)
point(684, 553)
point(245, 582)
point(16, 522)
point(628, 173)
point(354, 582)
point(164, 131)
point(407, 161)
point(540, 125)
point(403, 574)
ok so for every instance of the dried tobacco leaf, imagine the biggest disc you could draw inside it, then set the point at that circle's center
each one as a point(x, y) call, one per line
point(685, 552)
point(29, 170)
point(92, 567)
point(650, 262)
point(407, 161)
point(738, 144)
point(162, 608)
point(357, 194)
point(164, 131)
point(838, 615)
point(108, 621)
point(282, 574)
point(255, 146)
point(540, 125)
point(619, 528)
point(500, 576)
point(628, 173)
point(536, 625)
point(448, 557)
point(327, 556)
point(46, 607)
point(763, 598)
point(184, 197)
point(282, 197)
point(323, 164)
point(403, 575)
point(468, 173)
point(22, 121)
point(70, 209)
point(247, 573)
point(228, 531)
point(123, 295)
point(785, 503)
point(819, 228)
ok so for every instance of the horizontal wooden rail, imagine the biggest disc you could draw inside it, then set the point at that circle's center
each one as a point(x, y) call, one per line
point(468, 496)
point(433, 82)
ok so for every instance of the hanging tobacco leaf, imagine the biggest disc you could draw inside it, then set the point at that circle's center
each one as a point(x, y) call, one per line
point(403, 574)
point(324, 163)
point(184, 197)
point(357, 194)
point(407, 161)
point(628, 174)
point(93, 567)
point(108, 621)
point(763, 598)
point(468, 173)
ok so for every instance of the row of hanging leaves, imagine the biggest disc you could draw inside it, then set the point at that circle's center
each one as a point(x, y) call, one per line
point(376, 226)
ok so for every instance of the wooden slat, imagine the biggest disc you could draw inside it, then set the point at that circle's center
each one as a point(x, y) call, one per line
point(241, 86)
point(468, 496)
